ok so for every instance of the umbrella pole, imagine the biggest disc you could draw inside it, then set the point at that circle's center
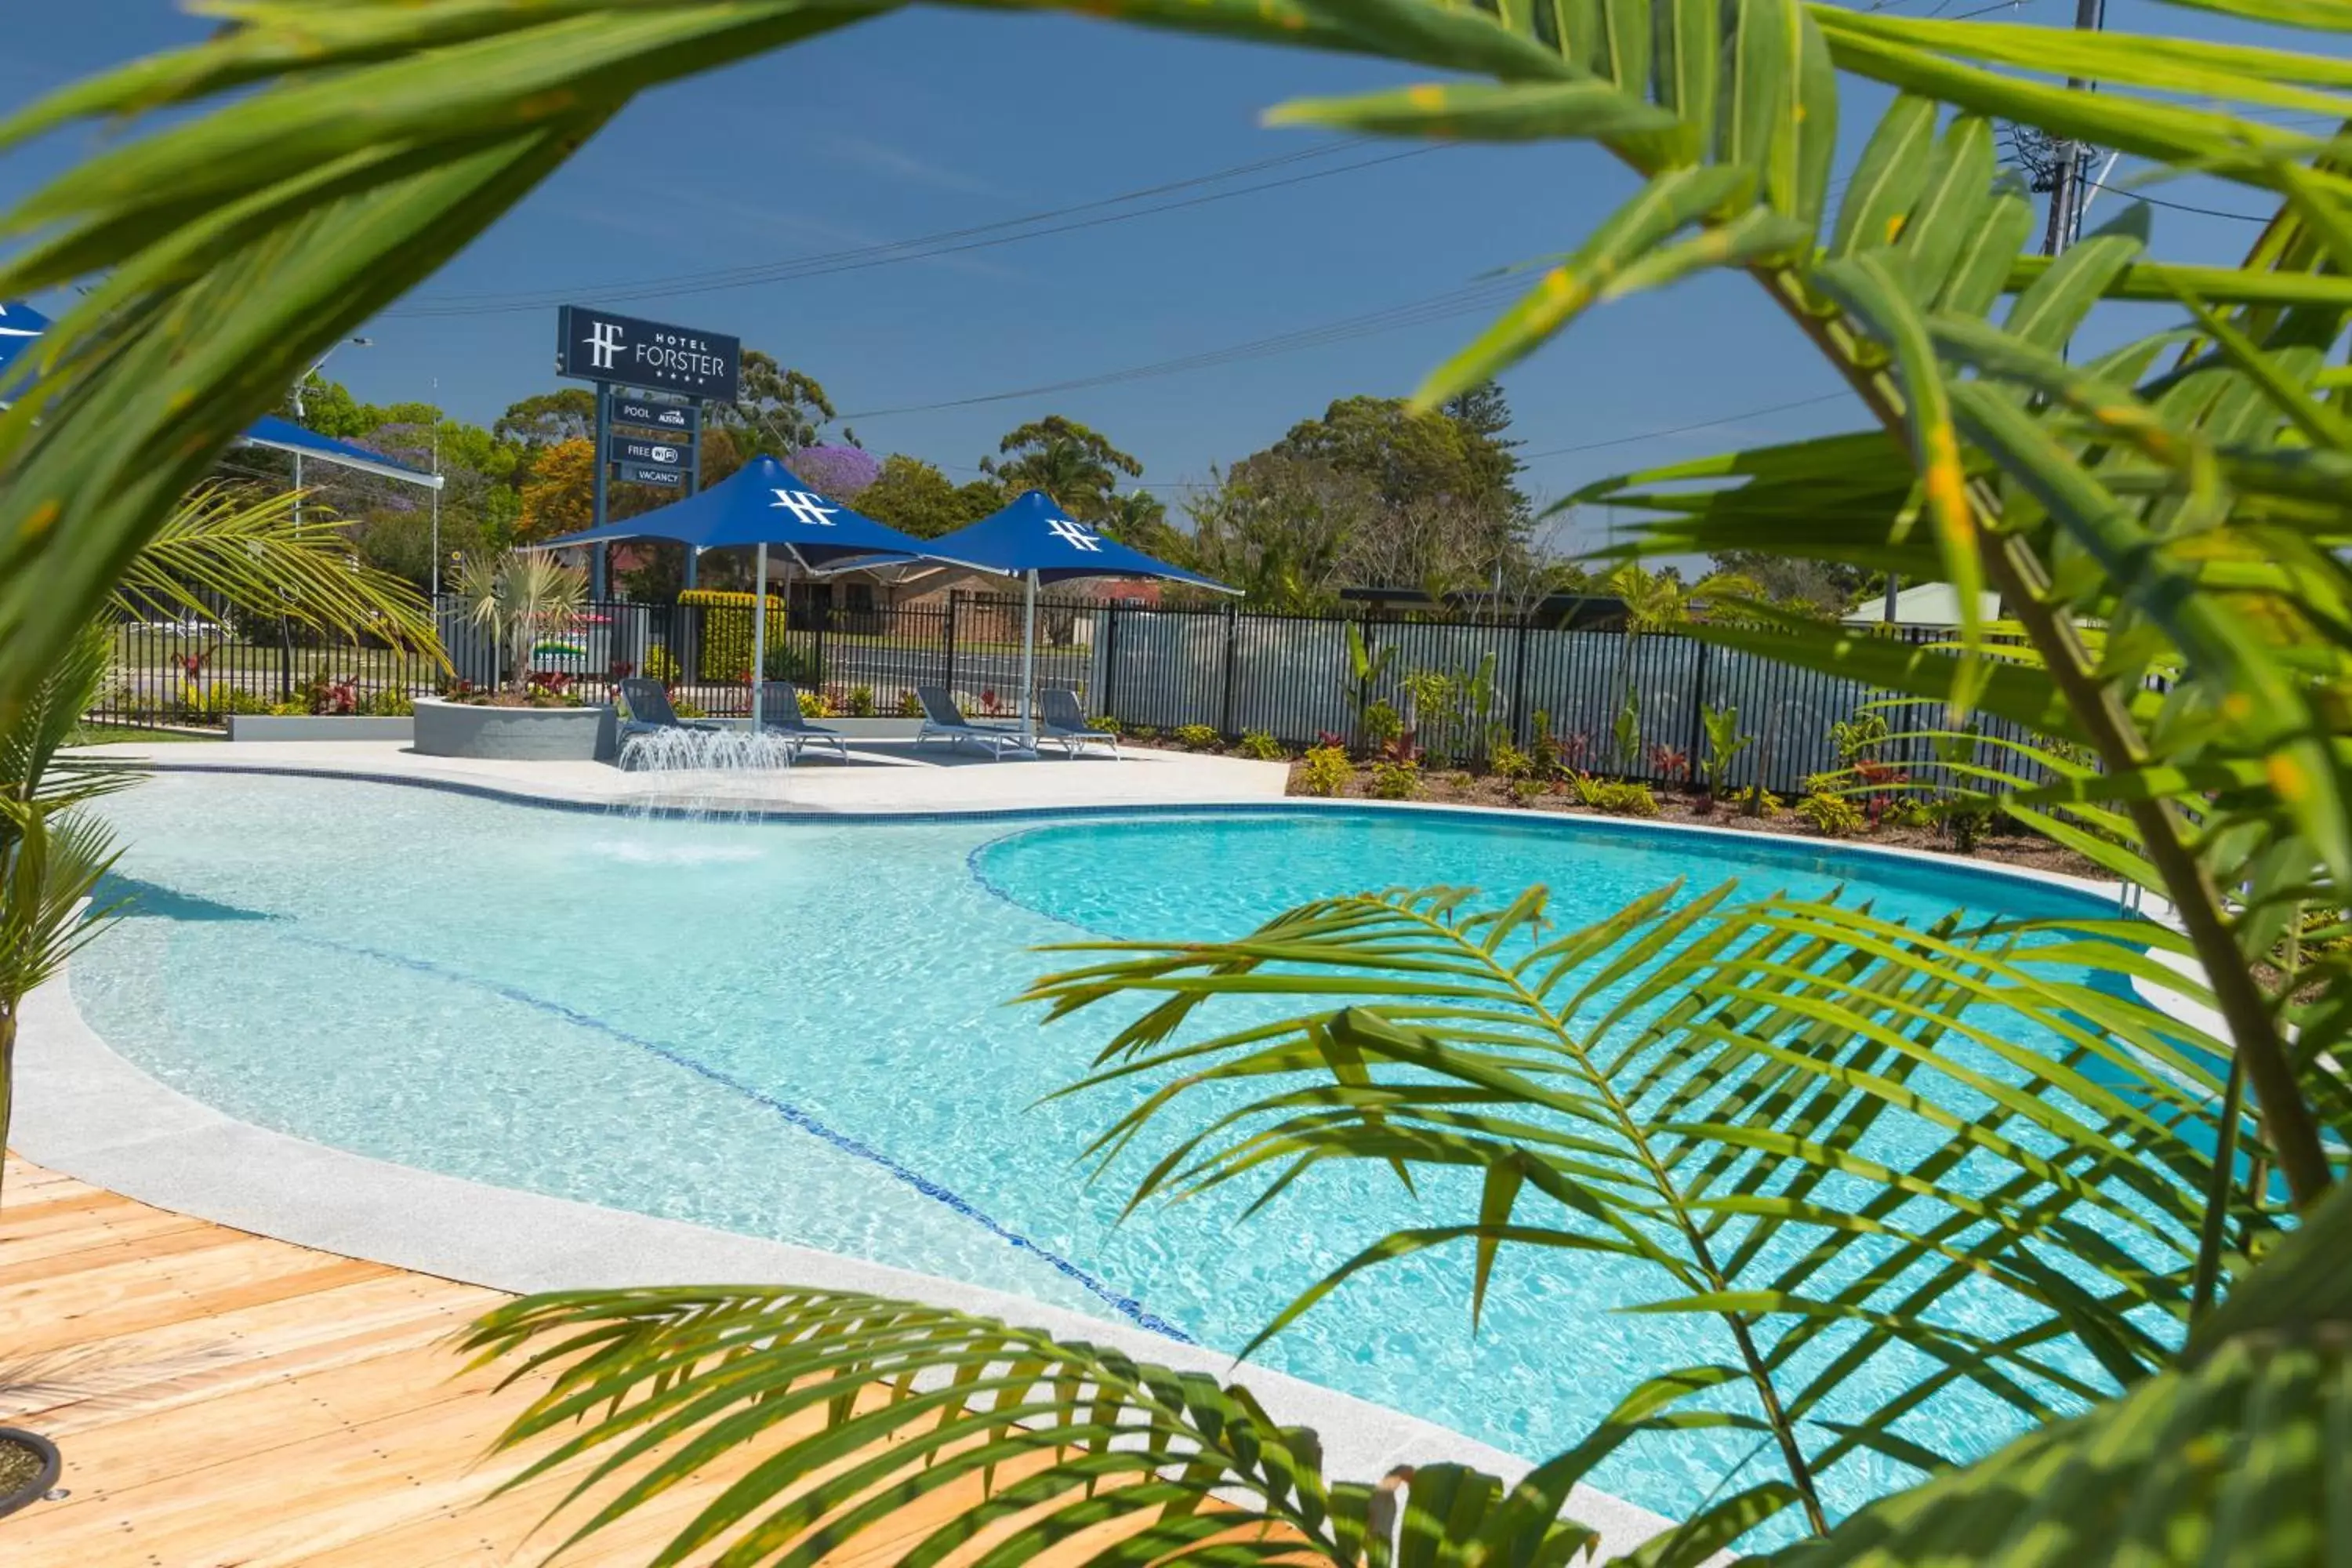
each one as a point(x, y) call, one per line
point(1029, 664)
point(758, 631)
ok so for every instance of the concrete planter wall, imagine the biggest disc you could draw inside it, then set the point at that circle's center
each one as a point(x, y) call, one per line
point(324, 727)
point(514, 735)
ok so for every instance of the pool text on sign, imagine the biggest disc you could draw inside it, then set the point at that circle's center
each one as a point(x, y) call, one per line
point(678, 418)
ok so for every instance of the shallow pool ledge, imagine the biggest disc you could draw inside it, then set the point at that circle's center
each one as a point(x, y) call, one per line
point(89, 1113)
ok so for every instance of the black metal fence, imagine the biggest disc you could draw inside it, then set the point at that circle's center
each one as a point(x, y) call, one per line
point(1456, 684)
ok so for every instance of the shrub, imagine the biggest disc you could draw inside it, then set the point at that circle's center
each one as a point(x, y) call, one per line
point(293, 707)
point(1527, 791)
point(1586, 790)
point(861, 702)
point(1543, 754)
point(1740, 799)
point(1326, 770)
point(1507, 761)
point(784, 662)
point(685, 709)
point(814, 706)
point(1910, 812)
point(1259, 746)
point(1830, 813)
point(1862, 733)
point(1395, 781)
point(1196, 737)
point(1629, 799)
point(1967, 828)
point(1671, 764)
point(1724, 744)
point(1382, 726)
point(661, 665)
point(391, 702)
point(727, 633)
point(237, 699)
point(1462, 780)
point(909, 705)
point(1141, 734)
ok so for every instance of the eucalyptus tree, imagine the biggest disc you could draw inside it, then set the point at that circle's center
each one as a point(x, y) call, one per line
point(1707, 1087)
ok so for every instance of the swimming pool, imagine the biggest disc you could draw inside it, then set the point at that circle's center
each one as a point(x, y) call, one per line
point(799, 1030)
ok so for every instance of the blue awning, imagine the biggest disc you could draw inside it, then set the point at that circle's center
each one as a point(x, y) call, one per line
point(20, 325)
point(1033, 535)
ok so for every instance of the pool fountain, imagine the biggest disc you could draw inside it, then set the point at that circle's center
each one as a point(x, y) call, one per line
point(702, 774)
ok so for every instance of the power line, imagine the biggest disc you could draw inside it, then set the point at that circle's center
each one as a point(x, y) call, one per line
point(1436, 308)
point(1679, 429)
point(947, 242)
point(2177, 206)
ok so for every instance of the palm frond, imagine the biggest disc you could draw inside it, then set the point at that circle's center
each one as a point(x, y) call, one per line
point(862, 1411)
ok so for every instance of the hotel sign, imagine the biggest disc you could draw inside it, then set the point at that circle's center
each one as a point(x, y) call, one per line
point(597, 346)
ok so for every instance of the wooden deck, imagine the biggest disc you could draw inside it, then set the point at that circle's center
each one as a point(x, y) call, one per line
point(227, 1401)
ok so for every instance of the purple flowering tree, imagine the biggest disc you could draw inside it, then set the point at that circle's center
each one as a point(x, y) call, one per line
point(839, 471)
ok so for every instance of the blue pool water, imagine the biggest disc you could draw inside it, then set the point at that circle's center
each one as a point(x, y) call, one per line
point(800, 1031)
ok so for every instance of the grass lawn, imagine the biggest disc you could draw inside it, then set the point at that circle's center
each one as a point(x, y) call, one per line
point(125, 734)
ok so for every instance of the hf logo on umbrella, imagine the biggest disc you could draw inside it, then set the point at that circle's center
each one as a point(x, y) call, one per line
point(805, 505)
point(1074, 533)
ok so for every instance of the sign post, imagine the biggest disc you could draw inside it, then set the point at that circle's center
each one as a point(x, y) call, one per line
point(649, 375)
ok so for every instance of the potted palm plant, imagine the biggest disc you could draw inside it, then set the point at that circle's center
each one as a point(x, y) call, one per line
point(517, 599)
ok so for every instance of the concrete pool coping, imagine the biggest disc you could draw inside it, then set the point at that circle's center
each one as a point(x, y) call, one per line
point(88, 1113)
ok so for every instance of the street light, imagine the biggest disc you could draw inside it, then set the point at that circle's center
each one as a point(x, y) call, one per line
point(315, 367)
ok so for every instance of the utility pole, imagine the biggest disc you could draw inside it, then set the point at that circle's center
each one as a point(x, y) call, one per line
point(2069, 184)
point(436, 494)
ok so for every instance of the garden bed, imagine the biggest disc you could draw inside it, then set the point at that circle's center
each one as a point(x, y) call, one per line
point(523, 734)
point(2005, 843)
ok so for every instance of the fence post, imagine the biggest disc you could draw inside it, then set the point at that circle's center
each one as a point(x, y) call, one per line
point(1697, 703)
point(816, 661)
point(1109, 660)
point(285, 660)
point(955, 595)
point(1225, 710)
point(1519, 736)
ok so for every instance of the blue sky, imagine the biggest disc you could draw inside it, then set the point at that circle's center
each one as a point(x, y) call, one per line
point(931, 120)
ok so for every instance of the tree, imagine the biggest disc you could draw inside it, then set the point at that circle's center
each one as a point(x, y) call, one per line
point(1451, 520)
point(778, 410)
point(1076, 465)
point(1138, 519)
point(841, 472)
point(1755, 1094)
point(542, 419)
point(561, 496)
point(1825, 588)
point(1280, 529)
point(917, 497)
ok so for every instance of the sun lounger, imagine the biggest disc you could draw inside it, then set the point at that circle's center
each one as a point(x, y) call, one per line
point(780, 714)
point(1062, 723)
point(647, 701)
point(943, 721)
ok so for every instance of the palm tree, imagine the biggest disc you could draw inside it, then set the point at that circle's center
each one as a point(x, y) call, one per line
point(519, 598)
point(2160, 519)
point(223, 544)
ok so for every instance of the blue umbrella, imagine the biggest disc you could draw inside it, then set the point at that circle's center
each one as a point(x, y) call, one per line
point(21, 326)
point(761, 504)
point(1035, 540)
